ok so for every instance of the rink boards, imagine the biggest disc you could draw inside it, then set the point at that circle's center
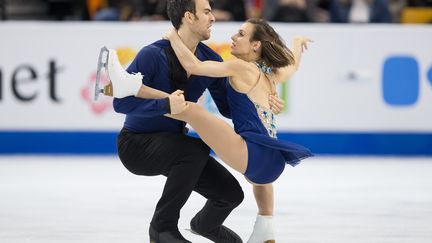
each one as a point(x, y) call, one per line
point(360, 89)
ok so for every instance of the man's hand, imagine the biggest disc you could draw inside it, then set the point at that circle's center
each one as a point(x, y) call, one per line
point(276, 104)
point(177, 102)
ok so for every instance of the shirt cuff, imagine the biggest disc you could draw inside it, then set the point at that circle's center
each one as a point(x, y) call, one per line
point(164, 105)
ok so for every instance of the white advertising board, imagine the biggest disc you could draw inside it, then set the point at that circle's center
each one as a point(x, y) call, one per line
point(47, 75)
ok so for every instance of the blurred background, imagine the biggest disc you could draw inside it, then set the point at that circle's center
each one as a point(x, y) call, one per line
point(361, 101)
point(364, 87)
point(303, 11)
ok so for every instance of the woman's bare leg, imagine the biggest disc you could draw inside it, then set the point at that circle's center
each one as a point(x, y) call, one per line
point(146, 92)
point(263, 230)
point(218, 135)
point(264, 198)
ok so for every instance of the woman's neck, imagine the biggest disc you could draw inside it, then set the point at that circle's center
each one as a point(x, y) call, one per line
point(248, 57)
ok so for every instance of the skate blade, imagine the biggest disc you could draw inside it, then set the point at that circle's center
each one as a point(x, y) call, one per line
point(102, 63)
point(193, 232)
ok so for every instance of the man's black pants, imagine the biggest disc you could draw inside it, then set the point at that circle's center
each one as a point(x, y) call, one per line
point(186, 163)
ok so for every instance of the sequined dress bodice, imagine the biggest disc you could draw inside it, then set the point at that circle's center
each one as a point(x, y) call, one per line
point(267, 118)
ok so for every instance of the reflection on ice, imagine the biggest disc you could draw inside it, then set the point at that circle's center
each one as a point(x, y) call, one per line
point(325, 199)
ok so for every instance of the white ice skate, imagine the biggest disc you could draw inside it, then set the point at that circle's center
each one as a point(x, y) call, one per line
point(263, 231)
point(122, 83)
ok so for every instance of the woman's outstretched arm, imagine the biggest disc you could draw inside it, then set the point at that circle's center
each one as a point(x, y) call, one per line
point(202, 68)
point(299, 45)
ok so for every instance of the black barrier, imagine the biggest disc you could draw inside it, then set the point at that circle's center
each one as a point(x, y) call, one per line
point(2, 10)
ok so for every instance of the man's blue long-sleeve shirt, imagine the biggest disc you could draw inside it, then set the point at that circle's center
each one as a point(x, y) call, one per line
point(146, 115)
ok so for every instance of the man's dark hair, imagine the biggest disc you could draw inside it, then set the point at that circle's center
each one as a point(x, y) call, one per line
point(176, 10)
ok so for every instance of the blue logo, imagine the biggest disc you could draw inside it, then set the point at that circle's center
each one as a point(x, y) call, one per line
point(429, 75)
point(401, 80)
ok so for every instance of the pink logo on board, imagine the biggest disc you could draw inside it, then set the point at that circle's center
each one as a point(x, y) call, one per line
point(104, 103)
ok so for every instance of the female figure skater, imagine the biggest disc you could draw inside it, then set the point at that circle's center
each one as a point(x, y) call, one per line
point(252, 147)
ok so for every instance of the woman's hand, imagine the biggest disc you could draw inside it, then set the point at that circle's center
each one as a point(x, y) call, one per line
point(172, 33)
point(177, 102)
point(302, 41)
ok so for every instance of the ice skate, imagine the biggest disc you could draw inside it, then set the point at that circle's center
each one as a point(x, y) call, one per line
point(122, 83)
point(263, 231)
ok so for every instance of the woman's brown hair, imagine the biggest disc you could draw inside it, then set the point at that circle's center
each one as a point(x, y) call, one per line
point(274, 52)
